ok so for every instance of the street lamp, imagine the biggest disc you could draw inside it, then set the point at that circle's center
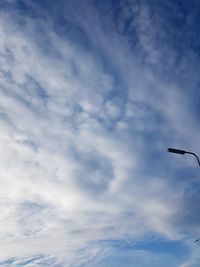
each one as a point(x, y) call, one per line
point(182, 152)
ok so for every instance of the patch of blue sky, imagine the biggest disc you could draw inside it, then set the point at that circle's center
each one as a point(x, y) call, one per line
point(179, 41)
point(151, 244)
point(123, 16)
point(96, 172)
point(79, 38)
point(176, 248)
point(33, 90)
point(128, 257)
point(64, 25)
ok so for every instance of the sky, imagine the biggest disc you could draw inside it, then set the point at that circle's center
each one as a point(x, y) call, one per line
point(92, 93)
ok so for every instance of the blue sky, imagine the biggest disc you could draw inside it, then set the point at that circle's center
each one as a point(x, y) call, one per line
point(91, 95)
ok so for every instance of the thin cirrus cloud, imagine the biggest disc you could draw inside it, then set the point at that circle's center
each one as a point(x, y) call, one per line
point(88, 104)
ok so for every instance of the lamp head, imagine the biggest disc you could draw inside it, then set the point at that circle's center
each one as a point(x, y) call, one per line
point(176, 151)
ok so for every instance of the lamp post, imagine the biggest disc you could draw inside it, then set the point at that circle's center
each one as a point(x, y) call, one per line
point(182, 152)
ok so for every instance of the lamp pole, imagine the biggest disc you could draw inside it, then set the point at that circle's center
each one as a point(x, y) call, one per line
point(182, 152)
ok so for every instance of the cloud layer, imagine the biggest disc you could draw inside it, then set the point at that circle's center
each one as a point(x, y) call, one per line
point(91, 94)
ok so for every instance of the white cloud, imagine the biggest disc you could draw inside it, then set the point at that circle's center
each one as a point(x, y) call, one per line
point(72, 141)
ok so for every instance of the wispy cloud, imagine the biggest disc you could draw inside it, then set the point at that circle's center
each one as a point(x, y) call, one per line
point(88, 104)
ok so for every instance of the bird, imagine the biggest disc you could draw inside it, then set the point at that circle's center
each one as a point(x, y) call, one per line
point(197, 240)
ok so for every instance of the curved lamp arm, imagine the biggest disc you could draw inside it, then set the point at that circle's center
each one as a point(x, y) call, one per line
point(182, 152)
point(191, 153)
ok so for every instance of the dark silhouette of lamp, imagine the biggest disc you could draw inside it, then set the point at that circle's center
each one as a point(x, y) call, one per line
point(182, 152)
